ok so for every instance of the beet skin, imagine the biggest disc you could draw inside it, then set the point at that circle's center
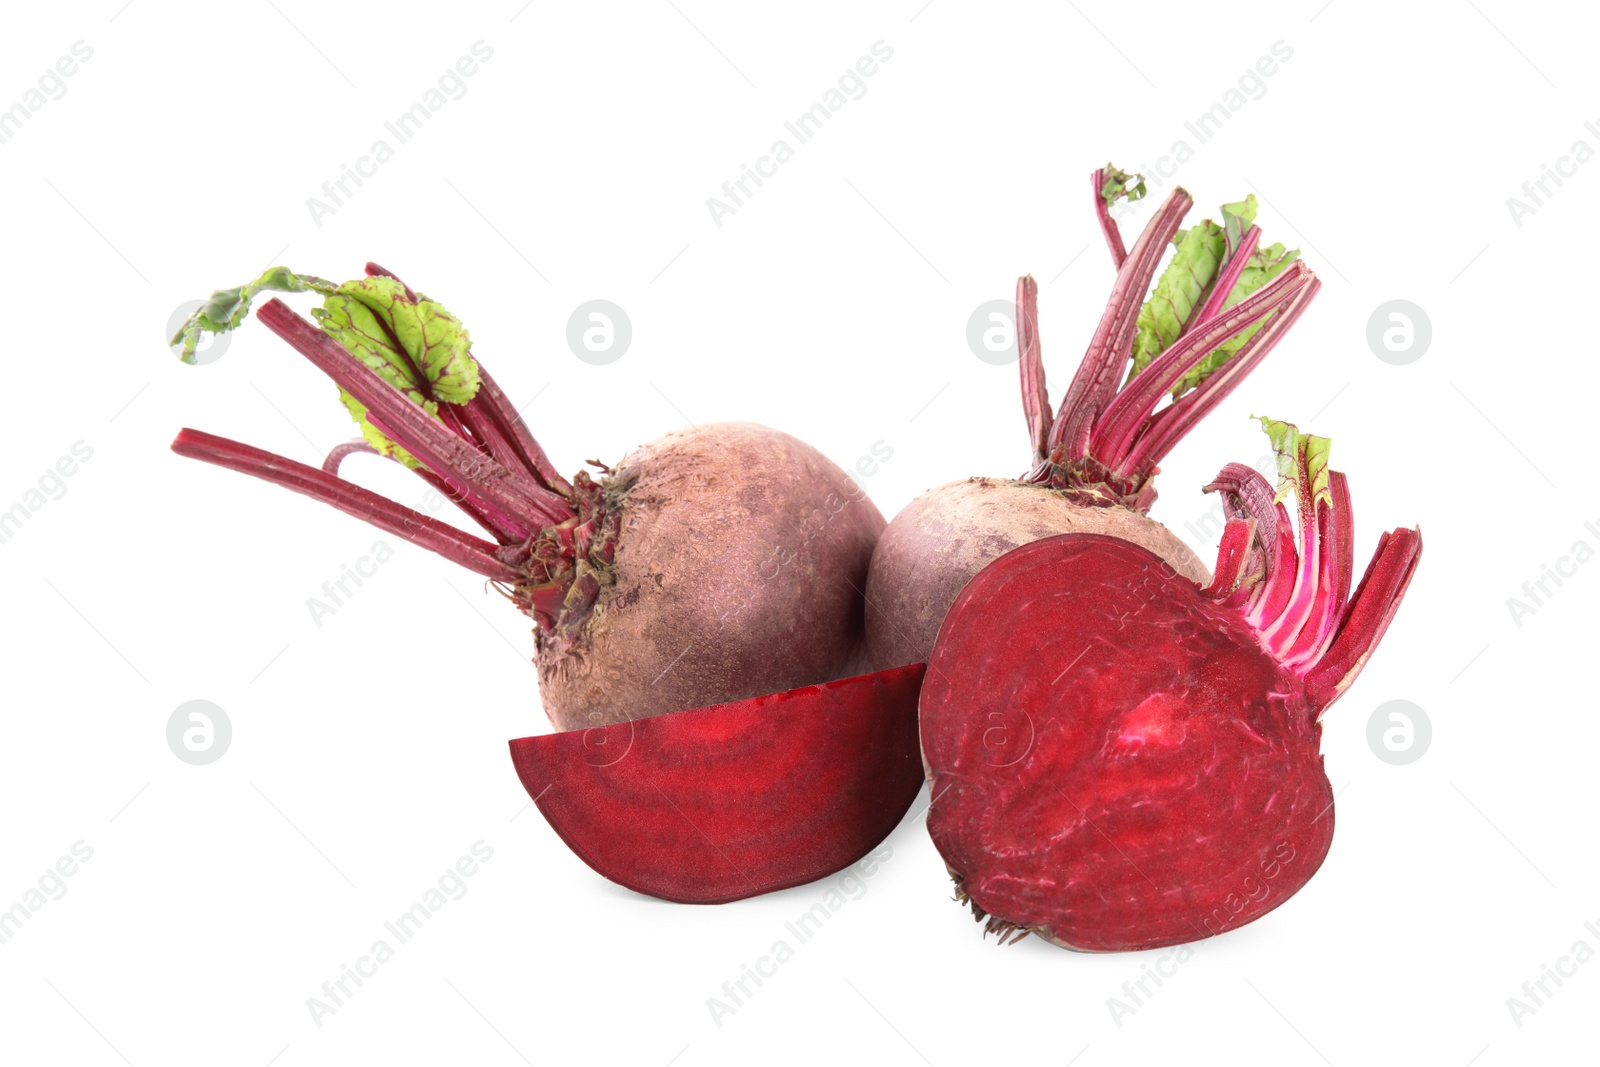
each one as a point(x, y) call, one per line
point(944, 537)
point(740, 557)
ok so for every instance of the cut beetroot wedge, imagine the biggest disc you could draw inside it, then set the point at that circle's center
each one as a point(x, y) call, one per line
point(1121, 759)
point(734, 800)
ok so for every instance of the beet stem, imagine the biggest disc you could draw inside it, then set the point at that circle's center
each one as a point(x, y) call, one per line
point(336, 457)
point(1099, 374)
point(509, 421)
point(339, 453)
point(1116, 429)
point(485, 431)
point(1228, 279)
point(471, 552)
point(1035, 396)
point(375, 271)
point(1335, 529)
point(494, 425)
point(1280, 633)
point(469, 471)
point(1368, 615)
point(1299, 611)
point(506, 526)
point(442, 487)
point(1233, 554)
point(1246, 495)
point(1173, 423)
point(1108, 225)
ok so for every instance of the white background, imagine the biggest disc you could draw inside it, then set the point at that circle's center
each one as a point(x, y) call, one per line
point(368, 754)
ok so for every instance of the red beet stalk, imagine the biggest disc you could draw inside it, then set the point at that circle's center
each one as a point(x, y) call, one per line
point(1154, 368)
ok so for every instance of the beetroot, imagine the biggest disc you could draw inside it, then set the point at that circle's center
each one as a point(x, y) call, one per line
point(1219, 307)
point(722, 803)
point(1123, 759)
point(717, 563)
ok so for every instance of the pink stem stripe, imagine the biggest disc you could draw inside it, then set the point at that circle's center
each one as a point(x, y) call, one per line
point(1280, 633)
point(1274, 593)
point(1333, 585)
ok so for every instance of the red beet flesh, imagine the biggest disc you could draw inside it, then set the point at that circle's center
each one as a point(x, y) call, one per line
point(737, 799)
point(1083, 794)
point(1120, 759)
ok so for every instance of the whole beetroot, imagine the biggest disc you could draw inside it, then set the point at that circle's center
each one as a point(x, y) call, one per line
point(739, 553)
point(714, 564)
point(1220, 306)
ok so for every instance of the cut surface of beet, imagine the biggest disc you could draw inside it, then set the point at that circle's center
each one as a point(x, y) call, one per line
point(1121, 758)
point(734, 800)
point(1079, 797)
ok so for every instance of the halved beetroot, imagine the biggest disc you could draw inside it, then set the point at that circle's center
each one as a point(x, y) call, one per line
point(733, 800)
point(1121, 759)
